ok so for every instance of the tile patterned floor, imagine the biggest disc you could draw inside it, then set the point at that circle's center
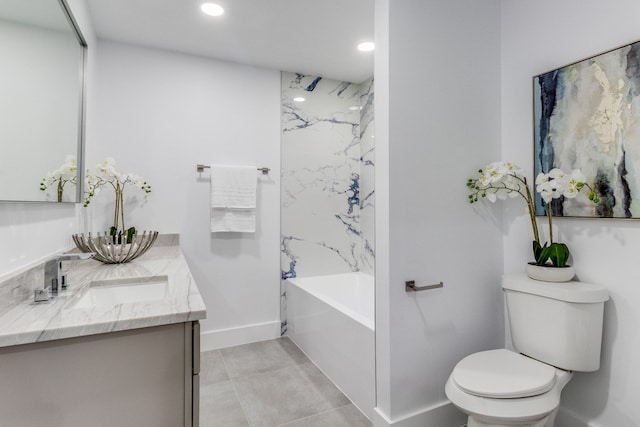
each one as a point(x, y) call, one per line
point(268, 384)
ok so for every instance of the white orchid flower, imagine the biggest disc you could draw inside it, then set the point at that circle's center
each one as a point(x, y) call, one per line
point(547, 196)
point(494, 172)
point(557, 183)
point(541, 180)
point(107, 168)
point(513, 169)
point(576, 178)
point(570, 192)
point(508, 168)
point(574, 184)
point(104, 173)
point(500, 167)
point(547, 188)
point(557, 191)
point(492, 167)
point(558, 174)
point(484, 180)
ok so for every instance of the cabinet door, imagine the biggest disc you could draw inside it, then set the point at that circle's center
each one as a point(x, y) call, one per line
point(132, 378)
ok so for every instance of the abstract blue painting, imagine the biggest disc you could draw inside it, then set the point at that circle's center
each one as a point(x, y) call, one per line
point(587, 117)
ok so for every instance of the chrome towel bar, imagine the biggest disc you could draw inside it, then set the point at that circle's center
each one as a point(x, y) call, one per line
point(410, 286)
point(201, 168)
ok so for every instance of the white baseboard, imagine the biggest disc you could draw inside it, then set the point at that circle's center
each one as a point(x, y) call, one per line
point(212, 340)
point(441, 415)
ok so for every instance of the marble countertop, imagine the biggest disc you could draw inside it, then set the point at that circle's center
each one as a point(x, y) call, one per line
point(22, 321)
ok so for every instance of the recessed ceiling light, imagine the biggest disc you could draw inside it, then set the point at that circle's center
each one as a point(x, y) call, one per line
point(366, 46)
point(212, 9)
point(298, 99)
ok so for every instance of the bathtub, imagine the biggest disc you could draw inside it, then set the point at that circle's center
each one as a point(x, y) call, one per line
point(331, 319)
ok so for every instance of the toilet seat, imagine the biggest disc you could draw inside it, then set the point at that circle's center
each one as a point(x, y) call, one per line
point(503, 411)
point(503, 374)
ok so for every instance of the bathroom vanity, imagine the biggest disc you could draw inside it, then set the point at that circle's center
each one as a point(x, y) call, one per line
point(119, 346)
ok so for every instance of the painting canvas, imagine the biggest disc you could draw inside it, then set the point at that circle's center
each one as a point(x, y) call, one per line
point(587, 117)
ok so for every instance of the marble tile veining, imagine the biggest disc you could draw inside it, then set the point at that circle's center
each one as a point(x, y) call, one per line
point(22, 321)
point(367, 177)
point(325, 163)
point(328, 165)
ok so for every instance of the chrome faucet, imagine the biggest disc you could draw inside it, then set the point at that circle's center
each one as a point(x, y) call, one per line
point(54, 280)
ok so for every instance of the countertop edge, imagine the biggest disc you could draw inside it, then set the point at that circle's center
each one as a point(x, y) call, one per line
point(25, 322)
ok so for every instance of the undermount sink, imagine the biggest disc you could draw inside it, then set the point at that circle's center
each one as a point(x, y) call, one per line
point(123, 291)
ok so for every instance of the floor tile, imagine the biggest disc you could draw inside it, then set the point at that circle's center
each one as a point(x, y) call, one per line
point(220, 407)
point(287, 394)
point(212, 368)
point(346, 416)
point(260, 357)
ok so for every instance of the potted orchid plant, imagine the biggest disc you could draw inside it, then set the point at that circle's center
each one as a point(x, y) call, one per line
point(502, 180)
point(105, 174)
point(122, 244)
point(65, 174)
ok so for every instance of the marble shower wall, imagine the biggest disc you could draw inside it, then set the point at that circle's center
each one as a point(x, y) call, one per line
point(367, 170)
point(327, 176)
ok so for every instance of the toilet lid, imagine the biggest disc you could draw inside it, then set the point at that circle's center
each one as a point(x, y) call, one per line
point(502, 374)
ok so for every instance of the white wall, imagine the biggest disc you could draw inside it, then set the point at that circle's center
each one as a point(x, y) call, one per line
point(442, 123)
point(158, 114)
point(538, 36)
point(33, 231)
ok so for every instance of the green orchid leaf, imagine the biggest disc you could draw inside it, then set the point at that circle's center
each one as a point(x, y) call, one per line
point(542, 254)
point(559, 254)
point(537, 249)
point(130, 232)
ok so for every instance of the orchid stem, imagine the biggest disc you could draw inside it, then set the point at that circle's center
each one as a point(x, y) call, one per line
point(532, 213)
point(549, 215)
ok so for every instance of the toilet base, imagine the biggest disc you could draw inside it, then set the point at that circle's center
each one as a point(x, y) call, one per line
point(547, 421)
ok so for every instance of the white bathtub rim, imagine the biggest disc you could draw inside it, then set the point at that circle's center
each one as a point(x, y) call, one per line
point(367, 322)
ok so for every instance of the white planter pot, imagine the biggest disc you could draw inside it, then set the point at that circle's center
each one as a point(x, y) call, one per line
point(550, 274)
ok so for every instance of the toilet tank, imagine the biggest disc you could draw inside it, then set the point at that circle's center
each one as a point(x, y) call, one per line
point(556, 323)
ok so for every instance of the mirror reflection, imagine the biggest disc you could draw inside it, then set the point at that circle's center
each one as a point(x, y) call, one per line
point(41, 89)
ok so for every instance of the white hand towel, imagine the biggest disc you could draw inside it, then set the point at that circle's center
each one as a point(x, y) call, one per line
point(233, 198)
point(233, 220)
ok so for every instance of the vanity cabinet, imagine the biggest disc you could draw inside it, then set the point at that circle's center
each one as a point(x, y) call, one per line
point(99, 362)
point(137, 377)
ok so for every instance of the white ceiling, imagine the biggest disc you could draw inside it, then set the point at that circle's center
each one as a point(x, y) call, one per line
point(314, 37)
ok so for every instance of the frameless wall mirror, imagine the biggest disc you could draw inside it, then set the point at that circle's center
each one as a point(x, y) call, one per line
point(42, 52)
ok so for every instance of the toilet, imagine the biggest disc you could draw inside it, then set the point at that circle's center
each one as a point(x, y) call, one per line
point(556, 329)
